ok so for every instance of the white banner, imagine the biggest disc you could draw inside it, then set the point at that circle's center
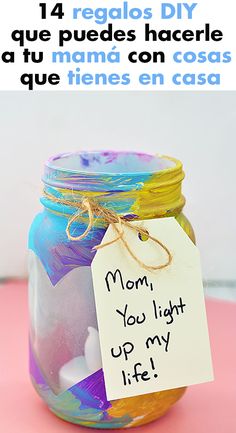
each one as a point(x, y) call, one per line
point(117, 45)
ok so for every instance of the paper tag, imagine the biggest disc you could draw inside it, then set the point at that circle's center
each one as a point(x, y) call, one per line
point(152, 324)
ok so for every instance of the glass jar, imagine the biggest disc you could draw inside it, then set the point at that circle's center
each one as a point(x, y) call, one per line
point(65, 360)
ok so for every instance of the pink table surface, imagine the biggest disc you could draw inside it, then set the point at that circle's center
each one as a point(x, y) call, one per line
point(206, 408)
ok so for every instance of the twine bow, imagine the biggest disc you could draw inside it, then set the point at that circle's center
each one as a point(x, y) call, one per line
point(87, 205)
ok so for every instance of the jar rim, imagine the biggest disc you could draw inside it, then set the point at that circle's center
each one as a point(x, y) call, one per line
point(159, 185)
point(171, 165)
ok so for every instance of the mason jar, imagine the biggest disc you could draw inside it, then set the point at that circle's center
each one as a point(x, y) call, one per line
point(65, 360)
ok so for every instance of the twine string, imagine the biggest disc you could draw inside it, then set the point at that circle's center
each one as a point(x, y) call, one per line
point(92, 208)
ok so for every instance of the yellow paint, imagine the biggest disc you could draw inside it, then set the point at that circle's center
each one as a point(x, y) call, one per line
point(145, 408)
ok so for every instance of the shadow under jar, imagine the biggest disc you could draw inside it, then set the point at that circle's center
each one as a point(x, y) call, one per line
point(65, 359)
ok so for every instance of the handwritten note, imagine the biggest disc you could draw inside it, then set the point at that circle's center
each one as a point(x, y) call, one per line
point(152, 324)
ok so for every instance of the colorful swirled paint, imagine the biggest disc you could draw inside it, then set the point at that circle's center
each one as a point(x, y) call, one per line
point(65, 363)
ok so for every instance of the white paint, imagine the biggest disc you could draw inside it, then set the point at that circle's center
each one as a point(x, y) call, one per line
point(81, 367)
point(199, 129)
point(73, 372)
point(92, 350)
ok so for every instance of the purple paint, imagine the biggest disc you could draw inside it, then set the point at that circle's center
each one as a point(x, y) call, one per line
point(91, 391)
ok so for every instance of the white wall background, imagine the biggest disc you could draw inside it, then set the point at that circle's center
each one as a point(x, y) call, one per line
point(198, 128)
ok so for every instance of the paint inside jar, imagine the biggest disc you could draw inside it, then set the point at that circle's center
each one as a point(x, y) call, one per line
point(65, 359)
